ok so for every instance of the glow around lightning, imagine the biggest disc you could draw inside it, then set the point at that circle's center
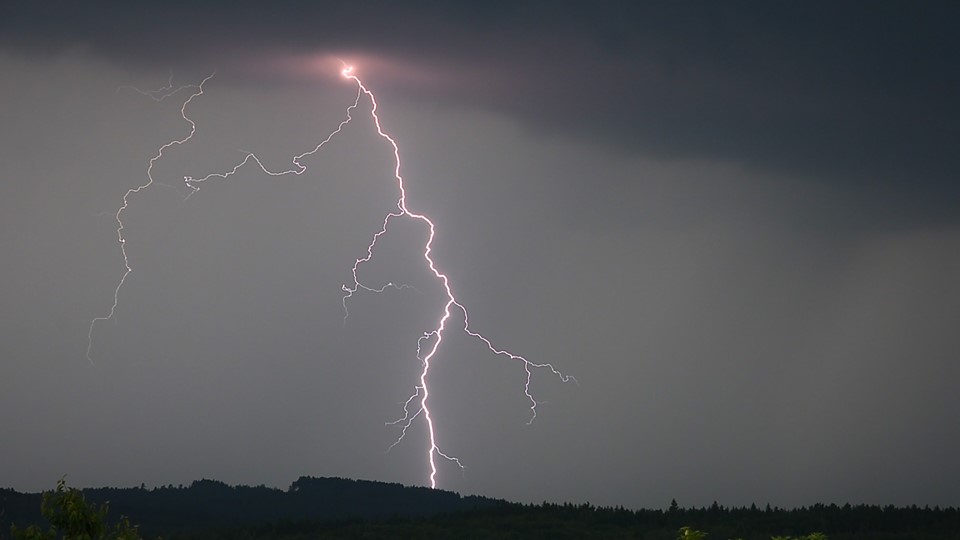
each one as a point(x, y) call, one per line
point(418, 404)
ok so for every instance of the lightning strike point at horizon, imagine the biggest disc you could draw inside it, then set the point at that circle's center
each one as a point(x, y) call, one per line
point(428, 344)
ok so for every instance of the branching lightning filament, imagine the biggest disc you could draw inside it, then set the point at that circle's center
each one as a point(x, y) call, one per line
point(418, 404)
point(156, 95)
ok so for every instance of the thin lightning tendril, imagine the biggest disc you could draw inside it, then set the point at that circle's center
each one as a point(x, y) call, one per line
point(429, 343)
point(156, 95)
point(161, 93)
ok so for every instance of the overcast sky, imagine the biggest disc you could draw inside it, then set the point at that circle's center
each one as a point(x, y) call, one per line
point(737, 225)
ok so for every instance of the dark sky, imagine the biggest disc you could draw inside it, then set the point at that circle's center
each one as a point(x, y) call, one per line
point(737, 224)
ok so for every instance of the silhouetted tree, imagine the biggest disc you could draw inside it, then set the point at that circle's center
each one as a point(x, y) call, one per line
point(71, 517)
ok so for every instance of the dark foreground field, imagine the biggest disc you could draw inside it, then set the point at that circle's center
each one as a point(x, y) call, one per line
point(314, 508)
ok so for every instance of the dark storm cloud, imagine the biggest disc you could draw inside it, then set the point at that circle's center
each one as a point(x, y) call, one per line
point(862, 94)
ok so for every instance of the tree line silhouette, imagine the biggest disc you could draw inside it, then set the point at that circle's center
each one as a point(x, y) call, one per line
point(313, 508)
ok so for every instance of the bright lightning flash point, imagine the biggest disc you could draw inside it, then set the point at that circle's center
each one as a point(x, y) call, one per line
point(417, 405)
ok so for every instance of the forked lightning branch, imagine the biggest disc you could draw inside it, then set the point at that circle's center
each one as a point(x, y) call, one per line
point(418, 406)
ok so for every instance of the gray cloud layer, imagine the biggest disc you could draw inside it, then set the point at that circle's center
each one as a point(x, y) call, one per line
point(842, 92)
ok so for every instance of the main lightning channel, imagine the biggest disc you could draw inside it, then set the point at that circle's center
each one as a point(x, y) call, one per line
point(434, 337)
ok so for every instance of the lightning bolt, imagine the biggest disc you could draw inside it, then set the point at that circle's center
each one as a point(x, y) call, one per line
point(434, 337)
point(428, 344)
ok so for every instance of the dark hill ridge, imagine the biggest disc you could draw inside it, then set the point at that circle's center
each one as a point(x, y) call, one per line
point(210, 504)
point(319, 508)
